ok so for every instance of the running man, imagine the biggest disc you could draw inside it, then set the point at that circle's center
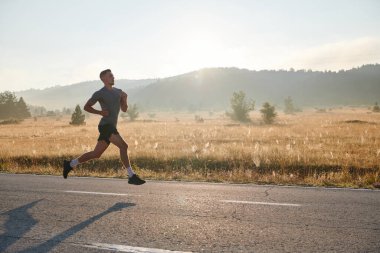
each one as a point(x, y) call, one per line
point(111, 100)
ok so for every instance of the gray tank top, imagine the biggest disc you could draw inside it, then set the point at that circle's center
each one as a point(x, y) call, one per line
point(109, 100)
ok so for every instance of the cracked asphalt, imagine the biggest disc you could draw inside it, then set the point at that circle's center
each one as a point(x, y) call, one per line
point(38, 214)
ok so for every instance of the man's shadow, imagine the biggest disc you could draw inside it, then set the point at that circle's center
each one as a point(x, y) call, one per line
point(19, 223)
point(12, 230)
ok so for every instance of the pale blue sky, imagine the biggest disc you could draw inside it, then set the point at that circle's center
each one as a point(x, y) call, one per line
point(58, 42)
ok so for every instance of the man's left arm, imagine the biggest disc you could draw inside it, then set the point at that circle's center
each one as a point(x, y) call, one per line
point(123, 101)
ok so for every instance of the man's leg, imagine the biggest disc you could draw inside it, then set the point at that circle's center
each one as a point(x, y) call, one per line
point(118, 141)
point(100, 147)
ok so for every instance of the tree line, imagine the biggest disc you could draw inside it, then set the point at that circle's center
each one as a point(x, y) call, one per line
point(15, 109)
point(241, 108)
point(11, 107)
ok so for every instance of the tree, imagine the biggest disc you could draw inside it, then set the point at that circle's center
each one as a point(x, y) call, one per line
point(50, 113)
point(10, 107)
point(7, 96)
point(8, 102)
point(240, 107)
point(198, 119)
point(376, 108)
point(133, 112)
point(289, 107)
point(37, 110)
point(268, 113)
point(66, 111)
point(77, 118)
point(22, 110)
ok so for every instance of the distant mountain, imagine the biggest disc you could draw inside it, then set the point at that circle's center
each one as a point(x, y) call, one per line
point(68, 96)
point(211, 88)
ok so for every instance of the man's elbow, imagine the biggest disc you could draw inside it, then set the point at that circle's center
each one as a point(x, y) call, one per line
point(85, 108)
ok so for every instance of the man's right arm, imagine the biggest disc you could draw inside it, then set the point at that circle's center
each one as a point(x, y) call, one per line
point(88, 108)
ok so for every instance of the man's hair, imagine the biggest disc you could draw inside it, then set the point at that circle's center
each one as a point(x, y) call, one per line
point(103, 73)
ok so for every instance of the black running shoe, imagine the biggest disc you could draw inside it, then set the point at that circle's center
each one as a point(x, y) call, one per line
point(135, 180)
point(66, 168)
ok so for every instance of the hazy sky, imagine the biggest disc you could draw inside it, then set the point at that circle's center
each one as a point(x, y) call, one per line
point(58, 42)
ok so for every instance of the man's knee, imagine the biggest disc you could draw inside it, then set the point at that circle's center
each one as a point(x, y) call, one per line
point(124, 146)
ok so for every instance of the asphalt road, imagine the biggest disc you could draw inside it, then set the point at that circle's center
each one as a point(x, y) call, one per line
point(48, 213)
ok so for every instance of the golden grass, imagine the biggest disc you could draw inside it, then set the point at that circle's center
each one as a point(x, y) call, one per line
point(337, 148)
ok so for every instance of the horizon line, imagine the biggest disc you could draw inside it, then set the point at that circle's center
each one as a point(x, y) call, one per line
point(290, 69)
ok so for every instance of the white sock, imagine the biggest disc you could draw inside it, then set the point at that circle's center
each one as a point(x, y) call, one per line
point(130, 171)
point(74, 162)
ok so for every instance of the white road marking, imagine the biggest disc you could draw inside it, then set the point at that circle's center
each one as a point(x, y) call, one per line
point(259, 203)
point(126, 248)
point(100, 193)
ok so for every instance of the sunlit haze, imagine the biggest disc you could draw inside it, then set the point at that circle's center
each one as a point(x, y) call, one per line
point(47, 43)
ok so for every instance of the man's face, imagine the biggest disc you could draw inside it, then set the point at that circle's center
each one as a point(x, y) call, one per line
point(109, 78)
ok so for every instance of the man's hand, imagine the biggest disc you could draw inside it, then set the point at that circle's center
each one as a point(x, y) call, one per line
point(104, 113)
point(88, 108)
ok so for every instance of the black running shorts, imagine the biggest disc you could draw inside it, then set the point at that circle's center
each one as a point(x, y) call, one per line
point(105, 132)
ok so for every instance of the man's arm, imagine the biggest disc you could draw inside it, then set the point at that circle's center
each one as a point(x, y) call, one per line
point(123, 101)
point(88, 108)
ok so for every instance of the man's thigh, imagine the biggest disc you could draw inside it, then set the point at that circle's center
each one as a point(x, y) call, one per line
point(101, 146)
point(118, 141)
point(105, 132)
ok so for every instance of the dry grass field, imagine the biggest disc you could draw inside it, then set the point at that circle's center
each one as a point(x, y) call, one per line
point(340, 147)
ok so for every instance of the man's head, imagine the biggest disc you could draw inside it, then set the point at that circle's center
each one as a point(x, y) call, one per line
point(107, 77)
